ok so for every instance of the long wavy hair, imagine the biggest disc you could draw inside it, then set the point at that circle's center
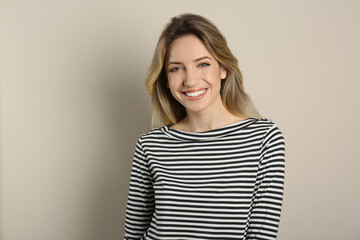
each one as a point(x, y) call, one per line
point(166, 109)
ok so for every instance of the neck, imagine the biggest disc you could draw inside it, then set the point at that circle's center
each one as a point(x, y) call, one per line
point(206, 121)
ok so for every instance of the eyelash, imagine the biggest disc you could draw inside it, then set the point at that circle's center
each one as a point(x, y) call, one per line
point(174, 69)
point(178, 68)
point(204, 64)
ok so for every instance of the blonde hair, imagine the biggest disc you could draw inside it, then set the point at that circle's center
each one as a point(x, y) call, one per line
point(166, 109)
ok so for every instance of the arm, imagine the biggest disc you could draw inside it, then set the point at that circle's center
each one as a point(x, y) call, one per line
point(267, 199)
point(140, 204)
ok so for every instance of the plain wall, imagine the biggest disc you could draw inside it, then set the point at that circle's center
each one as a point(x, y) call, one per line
point(73, 103)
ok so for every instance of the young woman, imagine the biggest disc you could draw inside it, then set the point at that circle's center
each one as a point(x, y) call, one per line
point(215, 169)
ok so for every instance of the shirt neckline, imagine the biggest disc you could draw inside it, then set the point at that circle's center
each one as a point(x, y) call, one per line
point(207, 135)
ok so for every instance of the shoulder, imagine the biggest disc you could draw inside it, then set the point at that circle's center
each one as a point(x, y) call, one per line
point(268, 129)
point(271, 132)
point(265, 123)
point(154, 133)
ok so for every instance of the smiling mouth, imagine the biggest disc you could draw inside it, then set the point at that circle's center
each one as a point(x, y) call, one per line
point(195, 94)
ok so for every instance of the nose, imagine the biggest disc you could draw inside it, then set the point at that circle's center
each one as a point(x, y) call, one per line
point(191, 78)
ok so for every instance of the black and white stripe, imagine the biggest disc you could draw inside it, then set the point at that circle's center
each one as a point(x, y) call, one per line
point(225, 183)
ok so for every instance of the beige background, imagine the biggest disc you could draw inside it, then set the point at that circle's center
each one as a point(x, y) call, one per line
point(73, 103)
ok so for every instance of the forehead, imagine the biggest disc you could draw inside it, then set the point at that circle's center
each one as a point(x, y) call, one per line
point(187, 47)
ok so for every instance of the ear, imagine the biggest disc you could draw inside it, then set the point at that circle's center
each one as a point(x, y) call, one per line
point(223, 72)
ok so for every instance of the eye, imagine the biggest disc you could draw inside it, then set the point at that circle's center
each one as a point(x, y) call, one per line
point(204, 64)
point(174, 69)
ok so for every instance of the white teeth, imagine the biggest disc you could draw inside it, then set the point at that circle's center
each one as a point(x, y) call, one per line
point(195, 94)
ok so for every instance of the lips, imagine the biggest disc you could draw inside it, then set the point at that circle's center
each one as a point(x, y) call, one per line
point(194, 95)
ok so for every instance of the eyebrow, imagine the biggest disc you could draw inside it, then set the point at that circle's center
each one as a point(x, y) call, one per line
point(196, 60)
point(202, 58)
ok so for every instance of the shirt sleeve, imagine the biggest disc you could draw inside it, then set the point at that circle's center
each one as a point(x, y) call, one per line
point(267, 199)
point(140, 204)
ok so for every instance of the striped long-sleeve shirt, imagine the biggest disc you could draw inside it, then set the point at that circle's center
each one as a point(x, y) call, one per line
point(225, 183)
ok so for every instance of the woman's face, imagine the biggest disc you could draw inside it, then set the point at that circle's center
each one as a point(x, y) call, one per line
point(193, 75)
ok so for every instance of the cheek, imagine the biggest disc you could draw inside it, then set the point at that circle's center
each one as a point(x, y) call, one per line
point(174, 81)
point(174, 90)
point(171, 84)
point(213, 75)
